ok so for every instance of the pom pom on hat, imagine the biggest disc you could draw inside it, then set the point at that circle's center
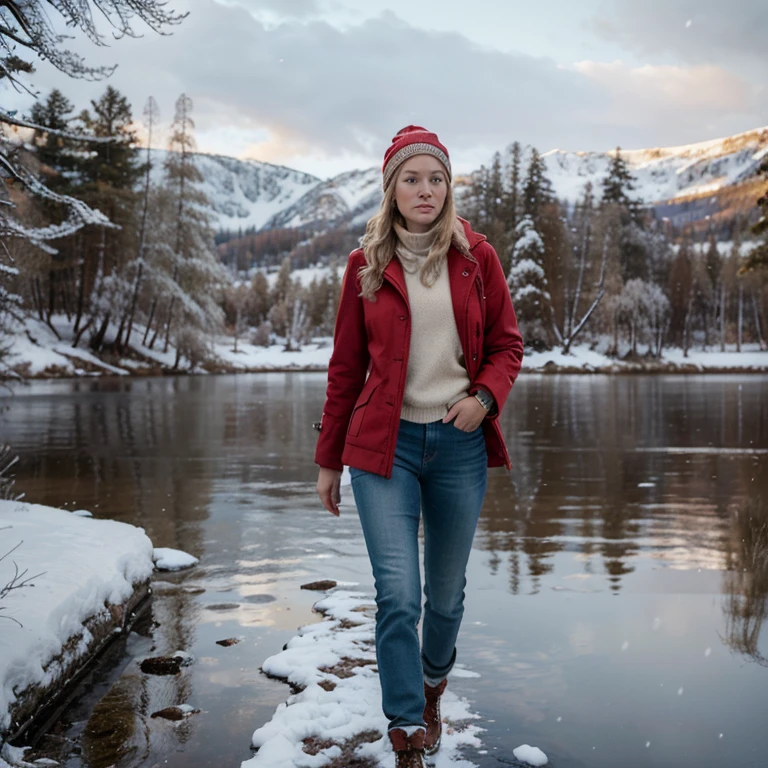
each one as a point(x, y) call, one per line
point(412, 140)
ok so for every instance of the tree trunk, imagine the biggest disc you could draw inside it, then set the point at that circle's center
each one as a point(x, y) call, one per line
point(149, 321)
point(51, 295)
point(740, 326)
point(65, 302)
point(154, 335)
point(687, 325)
point(722, 317)
point(168, 326)
point(37, 293)
point(120, 330)
point(134, 301)
point(85, 327)
point(757, 322)
point(98, 339)
point(80, 295)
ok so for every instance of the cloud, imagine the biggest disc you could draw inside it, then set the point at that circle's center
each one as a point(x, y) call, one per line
point(308, 94)
point(695, 31)
point(285, 9)
point(701, 102)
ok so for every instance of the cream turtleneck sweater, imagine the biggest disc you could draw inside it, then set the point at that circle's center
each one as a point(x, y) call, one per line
point(436, 377)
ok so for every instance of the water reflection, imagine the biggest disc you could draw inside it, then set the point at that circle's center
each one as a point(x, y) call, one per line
point(746, 580)
point(609, 560)
point(622, 471)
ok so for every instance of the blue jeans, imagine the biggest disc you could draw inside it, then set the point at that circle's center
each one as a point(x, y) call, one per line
point(440, 472)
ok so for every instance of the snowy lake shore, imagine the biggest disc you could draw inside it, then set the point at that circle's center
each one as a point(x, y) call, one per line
point(39, 353)
point(69, 585)
point(86, 579)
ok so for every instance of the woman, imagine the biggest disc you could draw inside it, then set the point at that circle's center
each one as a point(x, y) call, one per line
point(426, 350)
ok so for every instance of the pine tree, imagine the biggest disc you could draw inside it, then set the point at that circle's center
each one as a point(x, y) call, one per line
point(183, 241)
point(513, 194)
point(109, 174)
point(618, 183)
point(537, 188)
point(113, 163)
point(151, 117)
point(283, 283)
point(28, 29)
point(680, 291)
point(56, 154)
point(258, 305)
point(529, 288)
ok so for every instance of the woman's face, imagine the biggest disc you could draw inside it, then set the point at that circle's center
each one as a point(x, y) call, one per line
point(421, 187)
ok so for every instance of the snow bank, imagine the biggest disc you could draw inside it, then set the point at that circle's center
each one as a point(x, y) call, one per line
point(250, 357)
point(338, 707)
point(88, 569)
point(582, 358)
point(36, 347)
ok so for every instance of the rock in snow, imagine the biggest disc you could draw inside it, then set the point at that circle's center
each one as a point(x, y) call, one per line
point(530, 755)
point(172, 559)
point(336, 712)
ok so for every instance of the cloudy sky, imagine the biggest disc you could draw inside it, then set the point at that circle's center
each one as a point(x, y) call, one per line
point(322, 85)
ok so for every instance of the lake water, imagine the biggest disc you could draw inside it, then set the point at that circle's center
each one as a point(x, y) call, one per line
point(617, 588)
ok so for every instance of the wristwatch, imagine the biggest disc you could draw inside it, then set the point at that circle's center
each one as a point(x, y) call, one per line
point(484, 398)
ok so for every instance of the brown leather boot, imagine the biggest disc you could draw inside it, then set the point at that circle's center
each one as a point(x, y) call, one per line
point(409, 750)
point(432, 717)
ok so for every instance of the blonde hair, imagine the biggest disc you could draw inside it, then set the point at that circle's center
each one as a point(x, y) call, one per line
point(380, 241)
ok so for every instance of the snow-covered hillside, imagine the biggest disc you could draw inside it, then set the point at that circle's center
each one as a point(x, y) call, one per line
point(664, 173)
point(248, 193)
point(351, 197)
point(244, 193)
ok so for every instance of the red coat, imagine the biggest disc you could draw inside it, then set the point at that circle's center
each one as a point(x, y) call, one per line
point(367, 370)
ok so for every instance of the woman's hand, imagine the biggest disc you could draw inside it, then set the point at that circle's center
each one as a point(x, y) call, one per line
point(467, 414)
point(329, 488)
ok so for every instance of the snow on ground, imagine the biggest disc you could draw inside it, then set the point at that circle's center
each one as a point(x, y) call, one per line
point(36, 345)
point(584, 358)
point(252, 357)
point(306, 275)
point(83, 564)
point(333, 663)
point(751, 357)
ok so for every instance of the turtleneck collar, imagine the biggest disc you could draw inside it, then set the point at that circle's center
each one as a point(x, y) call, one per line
point(413, 247)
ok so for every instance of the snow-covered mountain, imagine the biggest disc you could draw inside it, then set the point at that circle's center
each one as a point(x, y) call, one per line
point(244, 193)
point(248, 193)
point(664, 174)
point(349, 198)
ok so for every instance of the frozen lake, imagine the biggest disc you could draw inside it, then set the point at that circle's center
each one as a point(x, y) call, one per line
point(617, 589)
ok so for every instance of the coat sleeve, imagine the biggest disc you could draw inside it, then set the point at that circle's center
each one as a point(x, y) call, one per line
point(347, 369)
point(502, 342)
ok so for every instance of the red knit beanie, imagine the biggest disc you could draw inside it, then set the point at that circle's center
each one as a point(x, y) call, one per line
point(410, 141)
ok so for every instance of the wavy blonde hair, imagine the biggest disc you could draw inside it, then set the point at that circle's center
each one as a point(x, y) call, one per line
point(380, 240)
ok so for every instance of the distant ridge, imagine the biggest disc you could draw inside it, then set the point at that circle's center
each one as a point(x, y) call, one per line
point(250, 193)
